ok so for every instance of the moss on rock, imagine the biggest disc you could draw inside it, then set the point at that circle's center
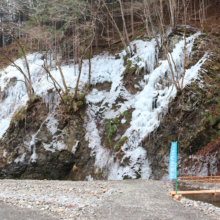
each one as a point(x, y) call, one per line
point(120, 143)
point(129, 68)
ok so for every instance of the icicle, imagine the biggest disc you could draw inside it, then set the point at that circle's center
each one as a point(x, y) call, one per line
point(25, 122)
point(32, 143)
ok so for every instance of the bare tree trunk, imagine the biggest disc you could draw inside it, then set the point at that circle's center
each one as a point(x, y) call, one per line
point(80, 71)
point(108, 37)
point(113, 30)
point(124, 23)
point(167, 54)
point(74, 47)
point(52, 78)
point(26, 62)
point(54, 82)
point(89, 81)
point(172, 4)
point(3, 39)
point(132, 17)
point(55, 37)
point(59, 66)
point(184, 61)
point(31, 45)
point(19, 31)
point(38, 44)
point(26, 80)
point(195, 10)
point(146, 14)
point(116, 27)
point(96, 35)
point(76, 44)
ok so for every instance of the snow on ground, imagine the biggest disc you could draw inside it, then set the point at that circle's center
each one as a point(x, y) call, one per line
point(157, 88)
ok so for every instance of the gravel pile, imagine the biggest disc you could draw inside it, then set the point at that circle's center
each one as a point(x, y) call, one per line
point(202, 206)
point(207, 208)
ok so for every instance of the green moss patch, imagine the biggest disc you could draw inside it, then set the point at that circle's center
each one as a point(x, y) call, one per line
point(110, 129)
point(120, 143)
point(19, 115)
point(126, 115)
point(80, 103)
point(129, 68)
point(204, 35)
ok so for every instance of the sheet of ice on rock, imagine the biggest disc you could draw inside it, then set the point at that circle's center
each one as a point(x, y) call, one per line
point(157, 88)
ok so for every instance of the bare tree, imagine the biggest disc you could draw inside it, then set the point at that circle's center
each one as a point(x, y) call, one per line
point(125, 28)
point(185, 6)
point(9, 55)
point(173, 13)
point(125, 41)
point(163, 43)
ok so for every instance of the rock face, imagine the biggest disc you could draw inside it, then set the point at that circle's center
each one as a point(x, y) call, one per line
point(40, 145)
point(183, 123)
point(192, 120)
point(43, 142)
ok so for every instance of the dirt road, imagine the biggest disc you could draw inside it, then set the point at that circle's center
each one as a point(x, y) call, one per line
point(101, 200)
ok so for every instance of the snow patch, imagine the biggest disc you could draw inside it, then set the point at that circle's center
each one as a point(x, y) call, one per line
point(52, 124)
point(4, 153)
point(95, 96)
point(20, 159)
point(89, 178)
point(123, 121)
point(49, 147)
point(74, 147)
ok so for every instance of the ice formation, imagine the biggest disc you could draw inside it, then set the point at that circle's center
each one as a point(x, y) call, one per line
point(157, 88)
point(200, 165)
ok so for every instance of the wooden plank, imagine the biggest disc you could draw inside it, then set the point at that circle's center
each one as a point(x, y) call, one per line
point(194, 192)
point(177, 197)
point(197, 179)
point(205, 180)
point(170, 195)
point(193, 177)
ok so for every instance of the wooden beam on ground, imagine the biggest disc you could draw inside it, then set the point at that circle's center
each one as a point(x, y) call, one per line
point(177, 197)
point(198, 177)
point(205, 179)
point(173, 193)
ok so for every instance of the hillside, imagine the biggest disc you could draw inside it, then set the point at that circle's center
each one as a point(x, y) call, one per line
point(112, 125)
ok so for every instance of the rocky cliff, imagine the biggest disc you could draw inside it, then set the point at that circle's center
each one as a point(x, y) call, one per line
point(132, 114)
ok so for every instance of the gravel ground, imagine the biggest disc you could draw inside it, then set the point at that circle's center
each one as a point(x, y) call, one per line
point(102, 200)
point(203, 206)
point(14, 213)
